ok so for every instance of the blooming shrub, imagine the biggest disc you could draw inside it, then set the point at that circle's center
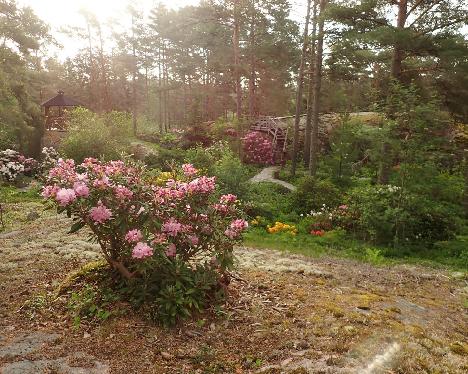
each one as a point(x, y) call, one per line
point(258, 148)
point(13, 164)
point(282, 227)
point(154, 235)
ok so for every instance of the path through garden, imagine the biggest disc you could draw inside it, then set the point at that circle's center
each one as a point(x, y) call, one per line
point(284, 314)
point(267, 175)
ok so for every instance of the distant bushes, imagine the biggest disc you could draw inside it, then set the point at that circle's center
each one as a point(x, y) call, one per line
point(93, 135)
point(388, 214)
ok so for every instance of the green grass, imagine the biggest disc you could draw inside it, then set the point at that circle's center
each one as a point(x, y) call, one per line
point(451, 255)
point(12, 195)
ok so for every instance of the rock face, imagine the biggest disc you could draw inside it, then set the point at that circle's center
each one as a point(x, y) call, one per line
point(29, 345)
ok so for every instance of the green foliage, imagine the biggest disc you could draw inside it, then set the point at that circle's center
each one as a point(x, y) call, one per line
point(269, 200)
point(91, 303)
point(390, 215)
point(165, 159)
point(176, 291)
point(231, 175)
point(312, 194)
point(11, 194)
point(93, 135)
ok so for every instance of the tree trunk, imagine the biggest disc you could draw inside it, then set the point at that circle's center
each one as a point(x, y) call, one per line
point(465, 191)
point(300, 81)
point(314, 141)
point(308, 129)
point(235, 42)
point(386, 162)
point(134, 73)
point(252, 77)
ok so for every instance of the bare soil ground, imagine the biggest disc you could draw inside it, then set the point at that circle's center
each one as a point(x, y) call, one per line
point(284, 314)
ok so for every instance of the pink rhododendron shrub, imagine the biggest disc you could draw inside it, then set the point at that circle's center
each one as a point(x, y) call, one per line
point(149, 232)
point(258, 148)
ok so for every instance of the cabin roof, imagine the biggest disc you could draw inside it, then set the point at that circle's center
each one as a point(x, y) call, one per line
point(61, 100)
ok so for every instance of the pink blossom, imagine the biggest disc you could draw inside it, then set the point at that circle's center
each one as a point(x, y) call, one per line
point(102, 183)
point(50, 191)
point(221, 208)
point(81, 189)
point(343, 207)
point(65, 196)
point(171, 250)
point(123, 193)
point(133, 236)
point(159, 238)
point(193, 239)
point(236, 227)
point(142, 250)
point(231, 234)
point(172, 227)
point(100, 213)
point(202, 185)
point(228, 199)
point(239, 224)
point(189, 170)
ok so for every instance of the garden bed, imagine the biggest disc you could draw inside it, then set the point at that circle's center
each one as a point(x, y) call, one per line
point(284, 313)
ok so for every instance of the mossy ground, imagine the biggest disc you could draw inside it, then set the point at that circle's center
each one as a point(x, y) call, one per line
point(284, 313)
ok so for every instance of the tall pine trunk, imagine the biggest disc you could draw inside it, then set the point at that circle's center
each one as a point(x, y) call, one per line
point(300, 82)
point(308, 129)
point(314, 141)
point(134, 73)
point(386, 162)
point(235, 42)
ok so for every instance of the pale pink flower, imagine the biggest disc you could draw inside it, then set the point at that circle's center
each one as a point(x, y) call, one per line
point(133, 236)
point(81, 189)
point(202, 185)
point(172, 227)
point(193, 239)
point(171, 250)
point(159, 238)
point(142, 250)
point(236, 227)
point(228, 199)
point(343, 207)
point(50, 191)
point(102, 183)
point(231, 234)
point(239, 224)
point(65, 196)
point(100, 213)
point(123, 193)
point(189, 170)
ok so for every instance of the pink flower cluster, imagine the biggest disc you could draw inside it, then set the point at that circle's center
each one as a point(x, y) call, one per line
point(133, 236)
point(142, 250)
point(100, 213)
point(236, 228)
point(189, 170)
point(258, 148)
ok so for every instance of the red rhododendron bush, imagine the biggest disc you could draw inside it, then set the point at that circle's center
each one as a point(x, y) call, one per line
point(172, 243)
point(258, 148)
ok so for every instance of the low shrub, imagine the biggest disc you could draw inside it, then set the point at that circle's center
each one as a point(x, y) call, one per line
point(92, 135)
point(165, 159)
point(312, 194)
point(269, 200)
point(388, 214)
point(232, 175)
point(171, 244)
